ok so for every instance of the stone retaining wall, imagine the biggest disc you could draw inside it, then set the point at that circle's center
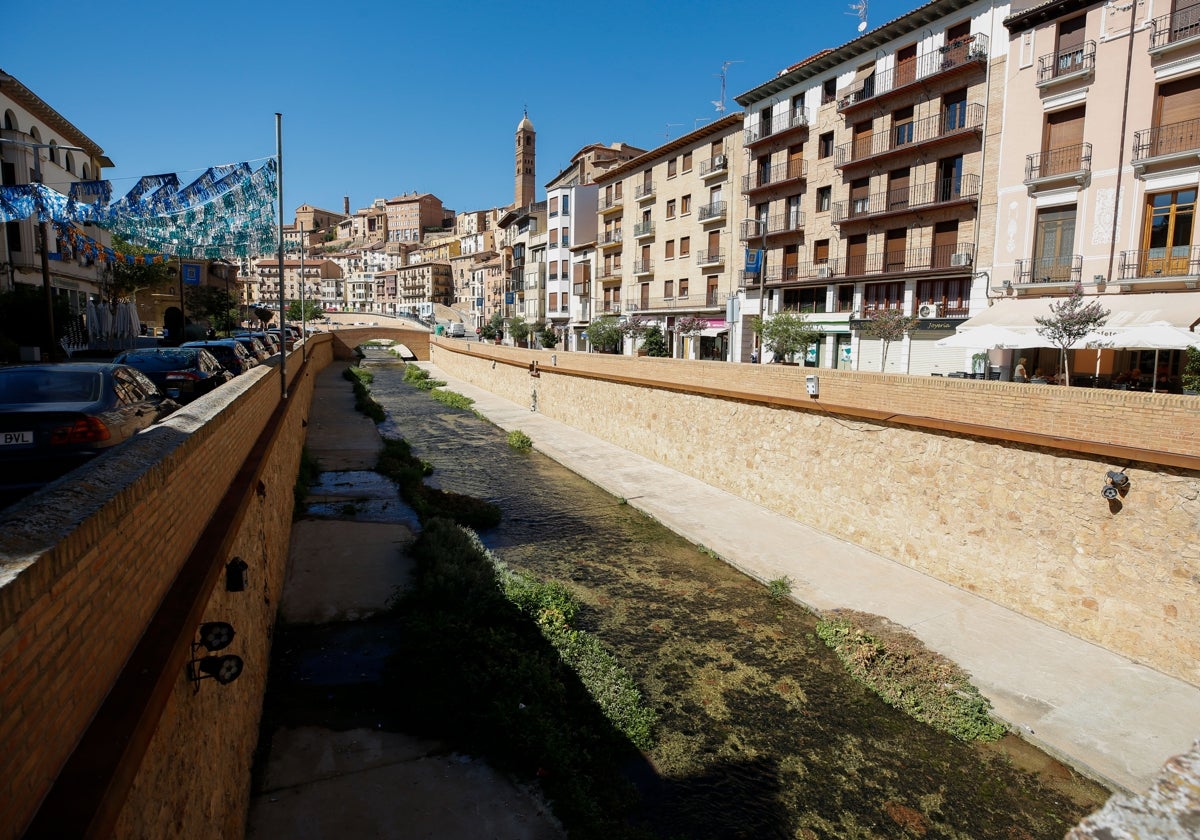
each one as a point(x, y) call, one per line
point(993, 487)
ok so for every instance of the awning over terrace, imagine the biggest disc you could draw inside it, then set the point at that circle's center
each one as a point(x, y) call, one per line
point(1181, 309)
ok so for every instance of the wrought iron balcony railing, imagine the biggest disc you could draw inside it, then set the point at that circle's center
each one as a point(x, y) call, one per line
point(1053, 164)
point(784, 223)
point(909, 136)
point(1157, 263)
point(712, 212)
point(714, 256)
point(773, 176)
point(1165, 140)
point(644, 190)
point(1175, 27)
point(1061, 269)
point(968, 52)
point(906, 199)
point(1077, 61)
point(778, 125)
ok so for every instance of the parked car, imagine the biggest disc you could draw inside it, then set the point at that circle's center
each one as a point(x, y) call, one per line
point(269, 340)
point(257, 349)
point(182, 373)
point(57, 417)
point(233, 356)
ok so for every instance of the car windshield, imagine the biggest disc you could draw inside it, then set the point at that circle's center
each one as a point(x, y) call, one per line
point(160, 360)
point(49, 386)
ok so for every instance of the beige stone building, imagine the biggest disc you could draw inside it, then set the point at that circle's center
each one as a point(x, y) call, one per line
point(263, 286)
point(667, 237)
point(1098, 174)
point(409, 217)
point(868, 184)
point(421, 284)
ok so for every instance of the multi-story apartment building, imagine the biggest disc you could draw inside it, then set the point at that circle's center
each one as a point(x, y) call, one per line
point(38, 138)
point(868, 183)
point(523, 244)
point(421, 284)
point(409, 216)
point(366, 226)
point(666, 236)
point(262, 287)
point(1099, 169)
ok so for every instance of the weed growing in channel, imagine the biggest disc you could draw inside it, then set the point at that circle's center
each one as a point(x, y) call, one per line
point(419, 377)
point(363, 401)
point(519, 441)
point(451, 398)
point(397, 462)
point(780, 588)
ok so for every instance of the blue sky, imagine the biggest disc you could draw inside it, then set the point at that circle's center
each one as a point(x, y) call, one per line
point(384, 98)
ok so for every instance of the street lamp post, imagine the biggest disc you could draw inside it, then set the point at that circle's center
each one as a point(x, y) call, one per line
point(761, 226)
point(43, 238)
point(303, 333)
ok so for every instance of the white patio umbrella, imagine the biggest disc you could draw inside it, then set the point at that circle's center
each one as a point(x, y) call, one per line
point(990, 336)
point(124, 323)
point(104, 321)
point(1157, 336)
point(93, 322)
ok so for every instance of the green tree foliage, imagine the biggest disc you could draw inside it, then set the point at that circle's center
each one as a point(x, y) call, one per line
point(1069, 320)
point(519, 329)
point(122, 280)
point(263, 314)
point(212, 304)
point(310, 311)
point(654, 342)
point(548, 337)
point(1191, 369)
point(786, 334)
point(889, 325)
point(605, 334)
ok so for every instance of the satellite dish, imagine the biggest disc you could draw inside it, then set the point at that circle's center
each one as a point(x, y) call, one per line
point(862, 25)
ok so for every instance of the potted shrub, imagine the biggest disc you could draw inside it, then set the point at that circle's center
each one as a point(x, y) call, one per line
point(1191, 371)
point(979, 365)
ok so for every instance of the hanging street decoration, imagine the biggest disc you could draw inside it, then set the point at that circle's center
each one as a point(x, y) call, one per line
point(226, 212)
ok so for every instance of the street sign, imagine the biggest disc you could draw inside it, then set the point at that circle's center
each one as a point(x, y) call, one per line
point(753, 260)
point(191, 274)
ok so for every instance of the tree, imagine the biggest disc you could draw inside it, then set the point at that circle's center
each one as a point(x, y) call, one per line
point(654, 342)
point(310, 311)
point(519, 329)
point(548, 337)
point(212, 304)
point(689, 325)
point(263, 314)
point(635, 327)
point(125, 280)
point(785, 334)
point(1191, 369)
point(1069, 320)
point(888, 325)
point(605, 334)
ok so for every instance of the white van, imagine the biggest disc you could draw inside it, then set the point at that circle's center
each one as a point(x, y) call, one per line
point(457, 330)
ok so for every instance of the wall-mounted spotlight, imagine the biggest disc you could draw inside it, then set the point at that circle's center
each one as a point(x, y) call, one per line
point(235, 575)
point(1116, 485)
point(214, 636)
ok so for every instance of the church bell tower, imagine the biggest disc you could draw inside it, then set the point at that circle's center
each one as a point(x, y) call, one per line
point(526, 154)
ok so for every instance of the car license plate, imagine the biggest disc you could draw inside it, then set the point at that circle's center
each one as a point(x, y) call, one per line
point(16, 438)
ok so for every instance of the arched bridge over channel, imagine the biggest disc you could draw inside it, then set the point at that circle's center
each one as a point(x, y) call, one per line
point(346, 338)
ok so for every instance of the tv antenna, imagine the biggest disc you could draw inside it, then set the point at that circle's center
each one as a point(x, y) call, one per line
point(667, 133)
point(719, 104)
point(860, 11)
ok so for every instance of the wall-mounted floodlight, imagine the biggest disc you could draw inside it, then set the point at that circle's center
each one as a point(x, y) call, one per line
point(1116, 485)
point(213, 636)
point(235, 575)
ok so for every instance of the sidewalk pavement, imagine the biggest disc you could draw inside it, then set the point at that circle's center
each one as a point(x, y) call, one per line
point(1108, 717)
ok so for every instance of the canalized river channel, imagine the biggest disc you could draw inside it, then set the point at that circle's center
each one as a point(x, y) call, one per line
point(762, 733)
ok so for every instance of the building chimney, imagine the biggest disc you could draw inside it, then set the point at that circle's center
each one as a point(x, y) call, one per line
point(346, 205)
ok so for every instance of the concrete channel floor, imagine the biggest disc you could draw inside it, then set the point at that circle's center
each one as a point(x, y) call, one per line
point(1099, 712)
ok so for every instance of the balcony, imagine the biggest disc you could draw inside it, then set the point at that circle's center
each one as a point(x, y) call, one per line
point(643, 230)
point(775, 225)
point(911, 138)
point(789, 172)
point(714, 212)
point(1058, 167)
point(609, 204)
point(780, 127)
point(1176, 267)
point(1166, 144)
point(684, 301)
point(961, 56)
point(955, 258)
point(947, 191)
point(580, 289)
point(714, 167)
point(608, 238)
point(606, 307)
point(642, 268)
point(644, 191)
point(1062, 271)
point(1076, 64)
point(710, 258)
point(1179, 29)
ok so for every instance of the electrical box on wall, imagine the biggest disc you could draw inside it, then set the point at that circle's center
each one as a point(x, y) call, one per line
point(810, 383)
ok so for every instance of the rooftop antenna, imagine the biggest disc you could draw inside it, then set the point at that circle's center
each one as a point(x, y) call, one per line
point(667, 133)
point(719, 104)
point(696, 122)
point(860, 11)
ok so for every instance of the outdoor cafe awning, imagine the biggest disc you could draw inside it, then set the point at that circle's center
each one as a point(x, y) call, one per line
point(1181, 309)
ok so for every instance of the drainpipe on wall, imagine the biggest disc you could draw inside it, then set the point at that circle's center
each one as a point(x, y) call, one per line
point(1112, 245)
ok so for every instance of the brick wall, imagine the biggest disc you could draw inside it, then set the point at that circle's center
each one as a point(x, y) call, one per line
point(991, 486)
point(82, 572)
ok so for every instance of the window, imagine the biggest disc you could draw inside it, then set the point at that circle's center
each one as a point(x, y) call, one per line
point(683, 287)
point(1170, 218)
point(671, 209)
point(860, 196)
point(825, 145)
point(670, 249)
point(950, 174)
point(845, 298)
point(566, 238)
point(566, 205)
point(824, 199)
point(954, 110)
point(1054, 239)
point(687, 161)
point(685, 246)
point(668, 289)
point(877, 296)
point(829, 91)
point(902, 127)
point(671, 167)
point(553, 209)
point(553, 301)
point(685, 205)
point(811, 299)
point(794, 214)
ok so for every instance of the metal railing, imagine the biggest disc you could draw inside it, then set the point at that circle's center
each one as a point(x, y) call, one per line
point(1058, 163)
point(962, 52)
point(643, 190)
point(714, 165)
point(779, 124)
point(608, 237)
point(957, 256)
point(716, 210)
point(643, 229)
point(903, 199)
point(1166, 139)
point(1175, 27)
point(1072, 62)
point(782, 223)
point(643, 267)
point(906, 136)
point(780, 173)
point(700, 300)
point(1066, 268)
point(612, 202)
point(712, 257)
point(1179, 261)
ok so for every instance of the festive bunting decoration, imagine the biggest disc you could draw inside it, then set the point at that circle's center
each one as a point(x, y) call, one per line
point(227, 212)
